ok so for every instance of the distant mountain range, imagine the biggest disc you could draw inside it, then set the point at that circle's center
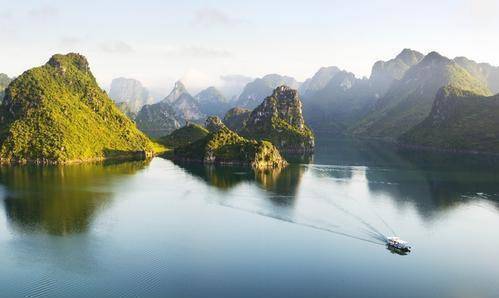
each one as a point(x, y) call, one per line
point(398, 96)
point(129, 94)
point(4, 82)
point(409, 100)
point(460, 120)
point(212, 102)
point(256, 91)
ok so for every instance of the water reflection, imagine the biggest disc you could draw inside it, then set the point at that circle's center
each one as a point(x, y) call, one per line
point(432, 181)
point(59, 200)
point(284, 182)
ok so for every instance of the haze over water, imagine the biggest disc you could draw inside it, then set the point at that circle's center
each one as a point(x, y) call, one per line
point(311, 230)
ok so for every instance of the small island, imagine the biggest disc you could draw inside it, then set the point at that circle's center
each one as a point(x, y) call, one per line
point(222, 146)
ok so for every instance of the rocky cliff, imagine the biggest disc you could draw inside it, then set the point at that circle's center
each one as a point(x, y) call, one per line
point(236, 118)
point(131, 92)
point(279, 119)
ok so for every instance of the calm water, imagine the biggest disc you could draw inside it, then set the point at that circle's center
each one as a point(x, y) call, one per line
point(164, 230)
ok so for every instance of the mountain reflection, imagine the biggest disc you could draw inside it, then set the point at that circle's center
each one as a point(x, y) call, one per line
point(432, 181)
point(447, 183)
point(59, 200)
point(283, 182)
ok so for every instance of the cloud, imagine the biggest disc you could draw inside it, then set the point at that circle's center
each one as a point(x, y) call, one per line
point(200, 52)
point(116, 47)
point(44, 12)
point(196, 80)
point(214, 17)
point(232, 85)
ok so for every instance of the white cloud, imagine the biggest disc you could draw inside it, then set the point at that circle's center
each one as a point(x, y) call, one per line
point(196, 80)
point(116, 47)
point(44, 12)
point(214, 17)
point(232, 85)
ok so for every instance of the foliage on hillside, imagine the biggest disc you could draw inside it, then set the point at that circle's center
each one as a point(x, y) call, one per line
point(409, 101)
point(184, 135)
point(56, 113)
point(460, 120)
point(227, 147)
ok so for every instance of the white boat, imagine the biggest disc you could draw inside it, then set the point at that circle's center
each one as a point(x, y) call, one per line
point(397, 243)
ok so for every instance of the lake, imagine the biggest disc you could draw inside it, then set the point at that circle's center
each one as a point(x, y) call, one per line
point(160, 229)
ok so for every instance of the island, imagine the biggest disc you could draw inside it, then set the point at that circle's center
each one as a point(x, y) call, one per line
point(57, 113)
point(222, 146)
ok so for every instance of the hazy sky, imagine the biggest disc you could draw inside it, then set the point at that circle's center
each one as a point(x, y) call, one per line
point(158, 42)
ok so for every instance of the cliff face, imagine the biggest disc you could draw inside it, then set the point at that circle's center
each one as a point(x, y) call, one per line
point(129, 93)
point(214, 124)
point(279, 119)
point(185, 106)
point(225, 147)
point(57, 113)
point(236, 118)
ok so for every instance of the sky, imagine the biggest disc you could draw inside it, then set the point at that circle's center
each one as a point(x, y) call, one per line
point(203, 42)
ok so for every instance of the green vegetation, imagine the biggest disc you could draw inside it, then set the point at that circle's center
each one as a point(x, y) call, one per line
point(184, 135)
point(461, 120)
point(56, 113)
point(227, 147)
point(409, 101)
point(279, 120)
point(126, 109)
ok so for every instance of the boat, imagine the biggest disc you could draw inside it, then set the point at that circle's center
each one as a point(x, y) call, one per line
point(398, 244)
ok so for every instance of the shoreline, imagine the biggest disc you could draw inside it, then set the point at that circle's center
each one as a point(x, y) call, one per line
point(132, 156)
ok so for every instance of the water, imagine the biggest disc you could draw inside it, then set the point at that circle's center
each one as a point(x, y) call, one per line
point(164, 230)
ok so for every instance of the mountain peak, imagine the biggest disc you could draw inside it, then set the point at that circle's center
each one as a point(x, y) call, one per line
point(214, 124)
point(434, 57)
point(408, 55)
point(179, 86)
point(284, 92)
point(61, 61)
point(279, 119)
point(176, 92)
